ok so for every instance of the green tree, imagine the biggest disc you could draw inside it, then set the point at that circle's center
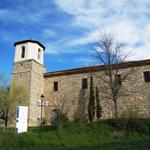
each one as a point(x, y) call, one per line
point(10, 98)
point(98, 106)
point(91, 104)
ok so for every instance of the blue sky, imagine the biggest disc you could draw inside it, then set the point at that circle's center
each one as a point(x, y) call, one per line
point(69, 29)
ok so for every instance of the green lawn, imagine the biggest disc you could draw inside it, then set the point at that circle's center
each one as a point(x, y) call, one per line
point(75, 136)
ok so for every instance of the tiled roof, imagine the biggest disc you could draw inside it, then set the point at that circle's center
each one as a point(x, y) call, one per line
point(122, 65)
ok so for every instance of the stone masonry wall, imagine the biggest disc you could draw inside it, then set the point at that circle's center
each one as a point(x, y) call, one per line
point(30, 75)
point(70, 97)
point(73, 100)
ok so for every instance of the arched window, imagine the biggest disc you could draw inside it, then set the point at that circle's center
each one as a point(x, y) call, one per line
point(39, 54)
point(23, 52)
point(55, 113)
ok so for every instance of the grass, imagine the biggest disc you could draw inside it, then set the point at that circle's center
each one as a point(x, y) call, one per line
point(102, 135)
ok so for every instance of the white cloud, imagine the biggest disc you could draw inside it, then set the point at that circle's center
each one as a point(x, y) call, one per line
point(85, 61)
point(3, 13)
point(17, 15)
point(87, 38)
point(51, 49)
point(48, 33)
point(32, 12)
point(60, 47)
point(128, 19)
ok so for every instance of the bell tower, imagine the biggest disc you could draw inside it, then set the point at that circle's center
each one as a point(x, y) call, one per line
point(28, 71)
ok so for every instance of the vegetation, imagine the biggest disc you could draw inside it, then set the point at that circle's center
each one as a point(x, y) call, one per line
point(98, 106)
point(101, 135)
point(111, 53)
point(10, 98)
point(94, 107)
point(91, 104)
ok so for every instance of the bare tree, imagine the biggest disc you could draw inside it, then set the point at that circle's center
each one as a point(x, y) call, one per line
point(146, 97)
point(60, 110)
point(111, 54)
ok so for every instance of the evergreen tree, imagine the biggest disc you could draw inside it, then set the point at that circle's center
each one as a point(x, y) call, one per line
point(91, 105)
point(98, 107)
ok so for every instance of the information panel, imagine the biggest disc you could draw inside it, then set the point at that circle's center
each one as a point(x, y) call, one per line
point(21, 119)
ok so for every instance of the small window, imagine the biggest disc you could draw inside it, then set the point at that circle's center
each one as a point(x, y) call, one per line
point(23, 52)
point(118, 79)
point(39, 54)
point(55, 86)
point(84, 83)
point(147, 76)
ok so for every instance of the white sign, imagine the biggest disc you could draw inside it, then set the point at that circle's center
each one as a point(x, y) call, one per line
point(21, 119)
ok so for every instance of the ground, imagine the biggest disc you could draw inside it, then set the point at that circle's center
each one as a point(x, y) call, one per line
point(102, 135)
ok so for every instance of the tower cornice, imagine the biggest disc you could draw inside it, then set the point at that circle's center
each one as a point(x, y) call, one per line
point(32, 41)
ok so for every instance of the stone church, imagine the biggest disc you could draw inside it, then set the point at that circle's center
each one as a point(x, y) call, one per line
point(69, 89)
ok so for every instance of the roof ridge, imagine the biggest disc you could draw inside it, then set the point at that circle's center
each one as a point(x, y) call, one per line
point(101, 67)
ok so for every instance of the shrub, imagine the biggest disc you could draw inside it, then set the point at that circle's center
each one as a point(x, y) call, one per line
point(131, 111)
point(131, 124)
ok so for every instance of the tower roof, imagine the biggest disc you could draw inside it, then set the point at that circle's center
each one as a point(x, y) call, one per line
point(32, 41)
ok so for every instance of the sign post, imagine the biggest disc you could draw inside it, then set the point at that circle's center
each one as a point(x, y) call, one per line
point(21, 119)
